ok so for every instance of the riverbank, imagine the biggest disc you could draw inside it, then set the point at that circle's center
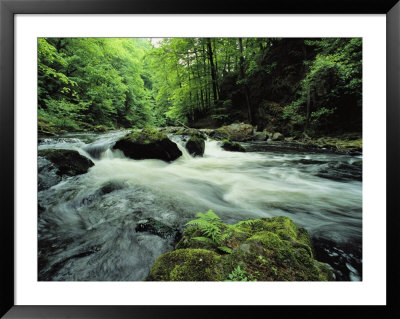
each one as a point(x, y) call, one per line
point(343, 143)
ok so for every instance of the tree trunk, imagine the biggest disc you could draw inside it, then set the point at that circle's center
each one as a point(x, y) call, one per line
point(242, 77)
point(308, 111)
point(213, 74)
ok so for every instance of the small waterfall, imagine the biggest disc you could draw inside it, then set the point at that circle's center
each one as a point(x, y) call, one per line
point(180, 141)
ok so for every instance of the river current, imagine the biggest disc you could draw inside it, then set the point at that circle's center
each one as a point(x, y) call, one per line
point(87, 223)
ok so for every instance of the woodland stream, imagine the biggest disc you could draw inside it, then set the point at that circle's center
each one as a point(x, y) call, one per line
point(87, 223)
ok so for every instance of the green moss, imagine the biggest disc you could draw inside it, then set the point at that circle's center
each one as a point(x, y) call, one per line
point(100, 128)
point(187, 265)
point(197, 138)
point(340, 143)
point(45, 127)
point(270, 249)
point(146, 136)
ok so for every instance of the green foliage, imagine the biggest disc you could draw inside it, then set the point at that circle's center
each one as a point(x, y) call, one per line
point(246, 222)
point(334, 77)
point(211, 227)
point(122, 82)
point(239, 274)
point(94, 81)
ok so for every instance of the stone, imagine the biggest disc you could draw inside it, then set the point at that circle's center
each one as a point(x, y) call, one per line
point(195, 146)
point(67, 162)
point(278, 137)
point(264, 249)
point(158, 228)
point(232, 146)
point(238, 132)
point(148, 144)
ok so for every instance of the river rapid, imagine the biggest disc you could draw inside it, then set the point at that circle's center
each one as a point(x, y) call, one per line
point(86, 223)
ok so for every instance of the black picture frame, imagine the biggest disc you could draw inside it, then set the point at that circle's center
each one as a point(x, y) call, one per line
point(8, 8)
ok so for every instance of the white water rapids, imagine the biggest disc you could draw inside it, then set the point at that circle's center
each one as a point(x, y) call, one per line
point(86, 227)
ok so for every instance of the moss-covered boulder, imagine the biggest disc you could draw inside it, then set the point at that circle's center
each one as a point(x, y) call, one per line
point(148, 144)
point(218, 135)
point(237, 131)
point(227, 145)
point(266, 249)
point(278, 137)
point(67, 162)
point(100, 128)
point(195, 146)
point(187, 265)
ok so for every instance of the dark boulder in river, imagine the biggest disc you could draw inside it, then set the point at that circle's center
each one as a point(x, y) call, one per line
point(148, 144)
point(233, 147)
point(158, 228)
point(67, 162)
point(195, 146)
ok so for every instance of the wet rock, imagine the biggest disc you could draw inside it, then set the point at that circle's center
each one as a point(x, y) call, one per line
point(191, 132)
point(47, 174)
point(195, 146)
point(232, 146)
point(260, 136)
point(169, 129)
point(266, 249)
point(41, 209)
point(278, 137)
point(345, 257)
point(148, 144)
point(218, 135)
point(238, 132)
point(341, 171)
point(66, 162)
point(105, 189)
point(158, 228)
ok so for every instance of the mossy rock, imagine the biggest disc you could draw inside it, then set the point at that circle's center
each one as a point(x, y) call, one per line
point(100, 128)
point(345, 144)
point(195, 146)
point(219, 135)
point(187, 265)
point(227, 145)
point(238, 131)
point(148, 144)
point(45, 128)
point(268, 249)
point(67, 162)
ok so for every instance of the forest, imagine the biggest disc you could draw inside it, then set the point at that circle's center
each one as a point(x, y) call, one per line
point(290, 85)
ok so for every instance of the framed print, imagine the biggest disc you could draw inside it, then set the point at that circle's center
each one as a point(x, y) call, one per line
point(161, 159)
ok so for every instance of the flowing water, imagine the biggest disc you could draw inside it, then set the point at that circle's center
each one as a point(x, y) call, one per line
point(87, 223)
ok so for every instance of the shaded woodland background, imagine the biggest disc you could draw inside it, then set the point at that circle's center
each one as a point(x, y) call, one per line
point(293, 85)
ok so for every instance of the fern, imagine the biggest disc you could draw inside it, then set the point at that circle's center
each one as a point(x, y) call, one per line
point(225, 249)
point(210, 225)
point(247, 222)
